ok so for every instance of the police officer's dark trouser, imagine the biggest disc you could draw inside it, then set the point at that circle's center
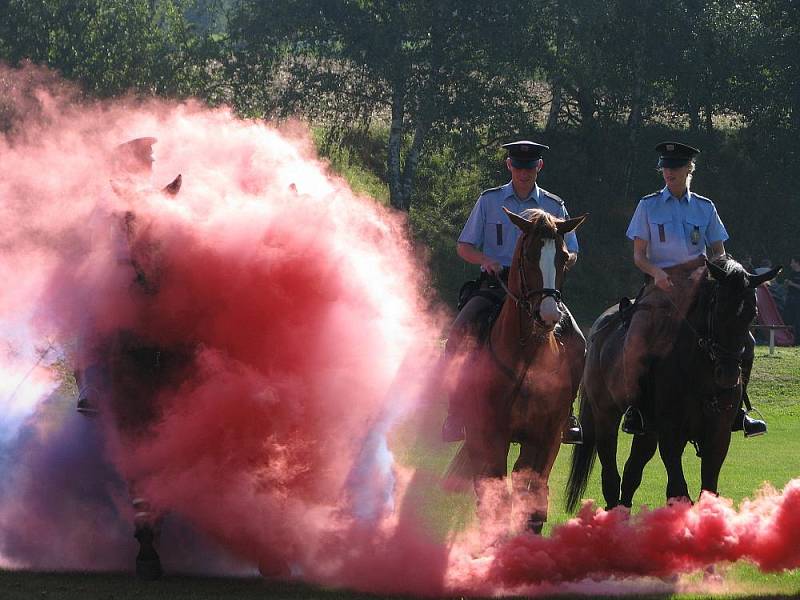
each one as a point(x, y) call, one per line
point(748, 355)
point(464, 333)
point(654, 326)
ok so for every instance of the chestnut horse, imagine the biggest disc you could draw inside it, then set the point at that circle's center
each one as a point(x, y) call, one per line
point(521, 385)
point(691, 394)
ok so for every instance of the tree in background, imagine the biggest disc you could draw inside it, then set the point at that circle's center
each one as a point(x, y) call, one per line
point(461, 69)
point(112, 46)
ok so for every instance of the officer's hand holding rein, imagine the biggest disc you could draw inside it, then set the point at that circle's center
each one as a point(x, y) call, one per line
point(571, 260)
point(662, 280)
point(491, 266)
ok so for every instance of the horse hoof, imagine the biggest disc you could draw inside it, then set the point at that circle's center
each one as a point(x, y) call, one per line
point(711, 577)
point(149, 569)
point(677, 500)
point(274, 568)
point(535, 527)
point(148, 563)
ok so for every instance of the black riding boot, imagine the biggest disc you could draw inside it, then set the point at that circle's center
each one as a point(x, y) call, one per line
point(633, 421)
point(743, 422)
point(572, 432)
point(453, 426)
point(751, 427)
point(86, 382)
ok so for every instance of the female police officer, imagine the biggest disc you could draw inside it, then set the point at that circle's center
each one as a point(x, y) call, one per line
point(673, 231)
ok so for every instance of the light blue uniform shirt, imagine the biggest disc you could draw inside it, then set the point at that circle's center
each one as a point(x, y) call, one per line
point(491, 231)
point(676, 229)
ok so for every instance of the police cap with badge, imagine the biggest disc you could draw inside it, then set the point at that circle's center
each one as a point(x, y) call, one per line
point(674, 154)
point(524, 154)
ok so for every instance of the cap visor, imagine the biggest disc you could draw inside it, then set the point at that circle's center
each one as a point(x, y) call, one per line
point(672, 163)
point(518, 163)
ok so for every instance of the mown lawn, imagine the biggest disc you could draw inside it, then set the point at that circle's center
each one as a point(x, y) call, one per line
point(774, 458)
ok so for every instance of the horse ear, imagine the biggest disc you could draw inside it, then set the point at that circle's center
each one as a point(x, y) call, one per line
point(518, 220)
point(564, 227)
point(717, 273)
point(757, 280)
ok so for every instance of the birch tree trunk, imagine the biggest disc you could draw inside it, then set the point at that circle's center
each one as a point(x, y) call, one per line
point(396, 129)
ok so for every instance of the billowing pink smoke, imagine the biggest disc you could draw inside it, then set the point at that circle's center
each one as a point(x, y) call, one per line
point(299, 304)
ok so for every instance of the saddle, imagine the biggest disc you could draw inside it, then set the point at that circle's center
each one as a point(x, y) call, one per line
point(473, 288)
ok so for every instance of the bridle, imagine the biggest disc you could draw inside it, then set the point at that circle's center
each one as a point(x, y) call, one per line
point(524, 302)
point(715, 351)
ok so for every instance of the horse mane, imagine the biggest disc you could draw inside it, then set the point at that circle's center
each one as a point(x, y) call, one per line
point(544, 224)
point(736, 275)
point(728, 264)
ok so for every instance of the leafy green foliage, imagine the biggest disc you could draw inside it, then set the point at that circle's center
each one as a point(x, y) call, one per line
point(111, 46)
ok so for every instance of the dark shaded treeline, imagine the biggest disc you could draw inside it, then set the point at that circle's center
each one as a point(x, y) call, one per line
point(423, 92)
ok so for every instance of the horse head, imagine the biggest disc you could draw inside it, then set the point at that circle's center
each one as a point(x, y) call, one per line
point(731, 310)
point(539, 263)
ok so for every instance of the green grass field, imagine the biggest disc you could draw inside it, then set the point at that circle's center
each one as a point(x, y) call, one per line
point(774, 458)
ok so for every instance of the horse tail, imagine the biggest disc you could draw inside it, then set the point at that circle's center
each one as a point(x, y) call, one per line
point(583, 456)
point(458, 476)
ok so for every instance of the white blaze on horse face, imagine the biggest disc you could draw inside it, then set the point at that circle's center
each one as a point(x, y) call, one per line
point(548, 310)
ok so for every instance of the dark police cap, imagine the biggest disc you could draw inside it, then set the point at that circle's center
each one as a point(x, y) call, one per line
point(675, 154)
point(524, 154)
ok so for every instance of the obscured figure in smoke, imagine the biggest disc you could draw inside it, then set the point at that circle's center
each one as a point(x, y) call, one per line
point(673, 231)
point(488, 239)
point(125, 371)
point(792, 305)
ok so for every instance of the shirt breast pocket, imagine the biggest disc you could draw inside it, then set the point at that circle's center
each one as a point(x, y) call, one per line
point(695, 232)
point(494, 235)
point(661, 229)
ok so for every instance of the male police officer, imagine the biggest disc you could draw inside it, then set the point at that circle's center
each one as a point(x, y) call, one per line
point(672, 231)
point(488, 239)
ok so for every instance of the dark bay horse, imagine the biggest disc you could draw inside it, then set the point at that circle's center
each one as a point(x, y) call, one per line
point(521, 385)
point(691, 394)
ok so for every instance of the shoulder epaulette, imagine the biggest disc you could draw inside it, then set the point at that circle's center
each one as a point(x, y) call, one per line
point(494, 189)
point(658, 193)
point(699, 197)
point(552, 196)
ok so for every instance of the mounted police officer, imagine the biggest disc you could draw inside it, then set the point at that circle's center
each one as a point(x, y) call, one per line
point(488, 239)
point(673, 231)
point(104, 364)
point(131, 171)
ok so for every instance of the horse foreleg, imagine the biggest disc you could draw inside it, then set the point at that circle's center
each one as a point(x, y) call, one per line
point(671, 450)
point(714, 447)
point(529, 481)
point(607, 453)
point(488, 459)
point(642, 450)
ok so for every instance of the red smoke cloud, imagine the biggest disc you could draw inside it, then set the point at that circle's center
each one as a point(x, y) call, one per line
point(301, 305)
point(298, 300)
point(662, 542)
